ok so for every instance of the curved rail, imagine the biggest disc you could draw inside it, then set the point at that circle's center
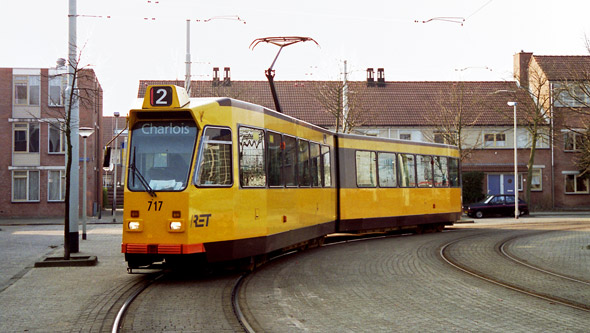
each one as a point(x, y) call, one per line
point(521, 262)
point(443, 253)
point(130, 299)
point(236, 306)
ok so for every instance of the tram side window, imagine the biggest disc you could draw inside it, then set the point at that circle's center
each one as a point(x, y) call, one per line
point(366, 168)
point(326, 169)
point(316, 165)
point(387, 174)
point(252, 166)
point(454, 172)
point(441, 171)
point(215, 158)
point(290, 166)
point(424, 170)
point(303, 163)
point(275, 158)
point(407, 173)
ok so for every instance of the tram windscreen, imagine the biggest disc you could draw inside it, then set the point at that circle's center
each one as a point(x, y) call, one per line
point(161, 152)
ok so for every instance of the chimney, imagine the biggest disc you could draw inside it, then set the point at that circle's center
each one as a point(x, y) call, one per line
point(370, 77)
point(521, 68)
point(215, 82)
point(226, 77)
point(380, 77)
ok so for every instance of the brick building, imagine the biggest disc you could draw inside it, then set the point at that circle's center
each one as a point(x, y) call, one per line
point(32, 163)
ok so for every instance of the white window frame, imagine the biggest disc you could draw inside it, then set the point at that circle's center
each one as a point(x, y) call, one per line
point(495, 143)
point(574, 137)
point(26, 127)
point(28, 80)
point(20, 127)
point(25, 174)
point(61, 185)
point(539, 173)
point(60, 82)
point(575, 176)
point(62, 142)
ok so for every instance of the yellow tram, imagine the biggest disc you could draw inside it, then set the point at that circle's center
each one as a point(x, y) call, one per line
point(221, 179)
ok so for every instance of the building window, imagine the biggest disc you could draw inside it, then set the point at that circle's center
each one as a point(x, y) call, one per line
point(56, 188)
point(252, 166)
point(57, 87)
point(215, 158)
point(494, 140)
point(405, 136)
point(572, 141)
point(536, 181)
point(439, 138)
point(57, 139)
point(366, 169)
point(25, 186)
point(575, 184)
point(26, 137)
point(448, 138)
point(27, 89)
point(574, 94)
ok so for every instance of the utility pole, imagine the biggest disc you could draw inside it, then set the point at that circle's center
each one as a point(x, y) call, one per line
point(345, 100)
point(71, 243)
point(187, 79)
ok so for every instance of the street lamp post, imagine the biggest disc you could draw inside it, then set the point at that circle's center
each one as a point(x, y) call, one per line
point(84, 132)
point(516, 201)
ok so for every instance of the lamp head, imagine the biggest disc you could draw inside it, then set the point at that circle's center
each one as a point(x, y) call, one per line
point(512, 103)
point(85, 132)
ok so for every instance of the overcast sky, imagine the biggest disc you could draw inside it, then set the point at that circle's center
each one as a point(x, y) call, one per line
point(127, 48)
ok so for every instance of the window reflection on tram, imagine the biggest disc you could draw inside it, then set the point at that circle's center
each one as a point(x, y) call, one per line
point(161, 153)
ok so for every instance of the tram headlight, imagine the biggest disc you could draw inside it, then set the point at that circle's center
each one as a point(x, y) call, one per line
point(175, 226)
point(134, 225)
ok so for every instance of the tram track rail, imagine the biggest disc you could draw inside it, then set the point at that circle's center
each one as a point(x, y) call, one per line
point(123, 310)
point(501, 248)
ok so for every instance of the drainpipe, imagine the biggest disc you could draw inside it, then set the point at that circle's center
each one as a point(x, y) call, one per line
point(552, 132)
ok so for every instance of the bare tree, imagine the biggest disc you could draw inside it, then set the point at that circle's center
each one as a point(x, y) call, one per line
point(533, 114)
point(455, 118)
point(331, 96)
point(61, 120)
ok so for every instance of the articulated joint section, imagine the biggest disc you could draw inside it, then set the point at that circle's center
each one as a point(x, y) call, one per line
point(163, 248)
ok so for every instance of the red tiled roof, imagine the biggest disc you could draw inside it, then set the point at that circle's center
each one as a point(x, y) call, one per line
point(394, 104)
point(558, 68)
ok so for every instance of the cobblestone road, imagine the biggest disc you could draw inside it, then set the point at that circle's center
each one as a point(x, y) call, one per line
point(185, 302)
point(393, 284)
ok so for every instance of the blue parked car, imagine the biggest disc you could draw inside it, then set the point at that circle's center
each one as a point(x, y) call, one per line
point(501, 204)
